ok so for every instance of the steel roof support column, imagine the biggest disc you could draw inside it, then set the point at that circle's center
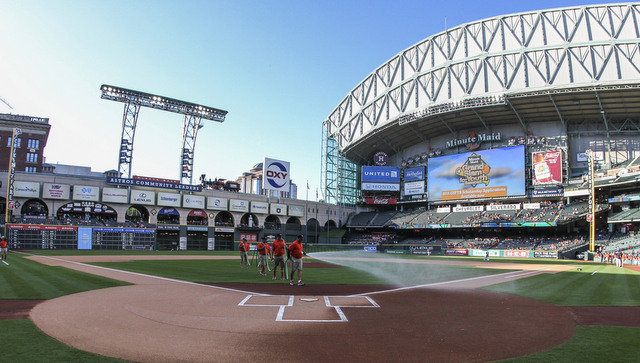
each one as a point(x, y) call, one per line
point(481, 119)
point(555, 105)
point(524, 125)
point(190, 129)
point(129, 121)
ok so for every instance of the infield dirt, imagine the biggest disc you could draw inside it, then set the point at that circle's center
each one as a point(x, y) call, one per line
point(158, 319)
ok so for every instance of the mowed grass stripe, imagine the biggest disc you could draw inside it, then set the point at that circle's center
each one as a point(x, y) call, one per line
point(26, 279)
point(595, 285)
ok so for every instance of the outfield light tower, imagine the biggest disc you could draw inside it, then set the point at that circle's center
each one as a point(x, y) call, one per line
point(193, 115)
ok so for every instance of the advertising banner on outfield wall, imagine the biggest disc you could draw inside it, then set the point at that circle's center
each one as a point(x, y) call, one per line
point(55, 191)
point(143, 197)
point(545, 254)
point(169, 199)
point(296, 211)
point(26, 189)
point(216, 203)
point(456, 252)
point(250, 237)
point(193, 201)
point(278, 209)
point(259, 207)
point(115, 195)
point(82, 192)
point(516, 254)
point(482, 253)
point(237, 205)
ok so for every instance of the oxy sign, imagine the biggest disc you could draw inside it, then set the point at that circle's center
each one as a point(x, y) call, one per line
point(276, 174)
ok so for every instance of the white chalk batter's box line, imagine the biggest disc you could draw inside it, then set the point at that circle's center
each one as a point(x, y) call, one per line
point(327, 303)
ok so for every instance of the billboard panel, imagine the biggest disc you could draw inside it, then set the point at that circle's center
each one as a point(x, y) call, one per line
point(387, 187)
point(26, 189)
point(296, 210)
point(55, 191)
point(168, 199)
point(480, 174)
point(142, 197)
point(384, 174)
point(278, 209)
point(547, 167)
point(237, 205)
point(414, 187)
point(85, 192)
point(216, 203)
point(413, 174)
point(276, 174)
point(115, 195)
point(193, 201)
point(259, 207)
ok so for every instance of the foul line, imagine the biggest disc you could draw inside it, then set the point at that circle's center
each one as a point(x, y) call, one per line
point(148, 276)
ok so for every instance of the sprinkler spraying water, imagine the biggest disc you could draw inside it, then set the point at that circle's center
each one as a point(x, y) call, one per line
point(392, 269)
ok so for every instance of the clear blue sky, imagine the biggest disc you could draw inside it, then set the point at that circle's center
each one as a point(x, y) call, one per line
point(278, 67)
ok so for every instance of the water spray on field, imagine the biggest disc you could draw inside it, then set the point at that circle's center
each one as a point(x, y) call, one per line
point(392, 269)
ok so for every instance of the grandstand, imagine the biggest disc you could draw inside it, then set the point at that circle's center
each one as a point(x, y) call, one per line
point(509, 162)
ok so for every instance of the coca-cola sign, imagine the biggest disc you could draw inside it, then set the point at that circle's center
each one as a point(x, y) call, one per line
point(381, 201)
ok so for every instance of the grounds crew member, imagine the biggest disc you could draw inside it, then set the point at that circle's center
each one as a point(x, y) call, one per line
point(262, 256)
point(244, 253)
point(3, 248)
point(278, 256)
point(296, 253)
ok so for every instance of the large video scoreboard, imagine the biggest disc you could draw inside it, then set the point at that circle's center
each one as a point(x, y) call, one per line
point(490, 173)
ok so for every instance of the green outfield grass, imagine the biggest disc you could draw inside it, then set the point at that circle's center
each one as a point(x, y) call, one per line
point(24, 342)
point(596, 284)
point(25, 279)
point(364, 273)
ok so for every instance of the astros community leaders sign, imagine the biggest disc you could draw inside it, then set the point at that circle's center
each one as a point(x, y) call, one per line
point(152, 184)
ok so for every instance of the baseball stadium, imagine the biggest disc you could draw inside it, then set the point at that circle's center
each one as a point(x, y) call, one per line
point(480, 188)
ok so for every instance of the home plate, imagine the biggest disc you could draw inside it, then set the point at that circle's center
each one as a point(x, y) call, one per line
point(308, 299)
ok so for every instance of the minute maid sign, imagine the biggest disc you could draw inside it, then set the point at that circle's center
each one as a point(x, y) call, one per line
point(473, 141)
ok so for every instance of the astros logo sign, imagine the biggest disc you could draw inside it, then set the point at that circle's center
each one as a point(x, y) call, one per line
point(276, 174)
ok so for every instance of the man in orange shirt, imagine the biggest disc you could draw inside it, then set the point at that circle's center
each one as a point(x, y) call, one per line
point(296, 253)
point(3, 248)
point(262, 256)
point(277, 254)
point(244, 253)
